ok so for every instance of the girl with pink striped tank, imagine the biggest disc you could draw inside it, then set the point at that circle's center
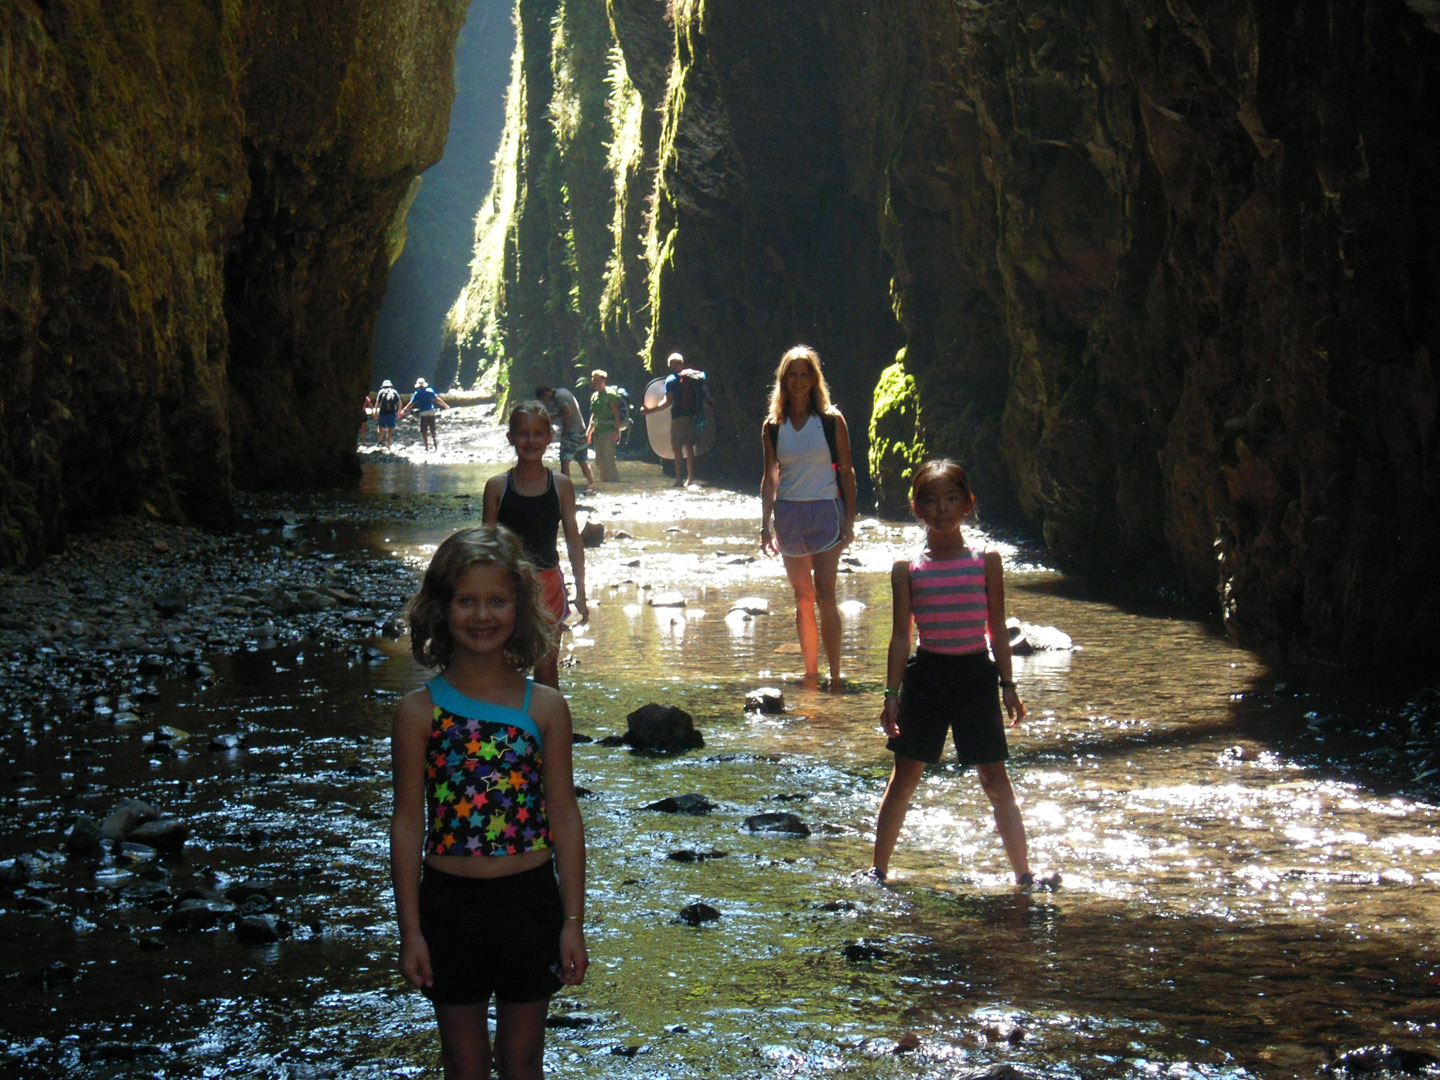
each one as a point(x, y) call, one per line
point(955, 597)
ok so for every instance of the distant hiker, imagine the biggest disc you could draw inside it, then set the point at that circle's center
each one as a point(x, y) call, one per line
point(809, 488)
point(566, 412)
point(387, 412)
point(532, 502)
point(367, 411)
point(423, 401)
point(684, 396)
point(605, 423)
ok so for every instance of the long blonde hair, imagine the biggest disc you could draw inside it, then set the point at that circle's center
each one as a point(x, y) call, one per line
point(819, 393)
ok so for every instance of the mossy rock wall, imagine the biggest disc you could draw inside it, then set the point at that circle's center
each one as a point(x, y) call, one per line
point(195, 203)
point(1165, 276)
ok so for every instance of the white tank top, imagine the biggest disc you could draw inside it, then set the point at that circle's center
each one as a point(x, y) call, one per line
point(806, 471)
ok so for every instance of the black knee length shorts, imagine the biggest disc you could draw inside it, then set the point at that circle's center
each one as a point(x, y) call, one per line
point(959, 694)
point(487, 936)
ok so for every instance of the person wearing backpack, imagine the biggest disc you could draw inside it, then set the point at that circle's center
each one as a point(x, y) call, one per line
point(685, 394)
point(423, 401)
point(604, 430)
point(387, 412)
point(808, 492)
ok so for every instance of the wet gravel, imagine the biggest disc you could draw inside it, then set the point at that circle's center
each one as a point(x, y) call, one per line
point(95, 628)
point(144, 601)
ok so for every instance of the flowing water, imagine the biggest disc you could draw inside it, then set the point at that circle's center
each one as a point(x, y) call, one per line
point(1226, 911)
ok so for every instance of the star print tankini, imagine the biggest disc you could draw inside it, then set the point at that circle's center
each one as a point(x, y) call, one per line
point(483, 781)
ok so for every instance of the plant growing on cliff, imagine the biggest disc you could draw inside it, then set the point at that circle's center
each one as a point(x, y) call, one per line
point(896, 442)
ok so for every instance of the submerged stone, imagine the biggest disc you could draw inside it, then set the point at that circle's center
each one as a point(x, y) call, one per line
point(697, 914)
point(683, 804)
point(778, 822)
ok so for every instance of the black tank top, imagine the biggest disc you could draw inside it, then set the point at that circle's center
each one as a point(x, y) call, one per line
point(533, 518)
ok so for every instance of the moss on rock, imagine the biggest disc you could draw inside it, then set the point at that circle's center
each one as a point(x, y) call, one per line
point(896, 443)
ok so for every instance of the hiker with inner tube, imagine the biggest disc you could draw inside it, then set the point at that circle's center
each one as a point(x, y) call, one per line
point(684, 396)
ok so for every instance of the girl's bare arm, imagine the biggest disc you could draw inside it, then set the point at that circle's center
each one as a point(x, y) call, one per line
point(567, 830)
point(573, 545)
point(408, 735)
point(1000, 636)
point(899, 650)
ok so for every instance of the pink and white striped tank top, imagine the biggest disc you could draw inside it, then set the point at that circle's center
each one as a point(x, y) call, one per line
point(949, 603)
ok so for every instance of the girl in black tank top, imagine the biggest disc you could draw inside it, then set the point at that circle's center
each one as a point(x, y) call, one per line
point(535, 502)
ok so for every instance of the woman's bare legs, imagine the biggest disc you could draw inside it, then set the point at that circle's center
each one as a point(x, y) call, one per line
point(827, 568)
point(812, 579)
point(798, 570)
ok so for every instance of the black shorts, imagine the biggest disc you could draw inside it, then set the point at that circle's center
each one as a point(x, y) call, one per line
point(487, 936)
point(955, 693)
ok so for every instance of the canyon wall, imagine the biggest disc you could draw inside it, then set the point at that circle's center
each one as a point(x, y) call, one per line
point(1163, 275)
point(197, 207)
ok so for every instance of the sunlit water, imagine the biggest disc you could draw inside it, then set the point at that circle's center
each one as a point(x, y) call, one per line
point(1225, 911)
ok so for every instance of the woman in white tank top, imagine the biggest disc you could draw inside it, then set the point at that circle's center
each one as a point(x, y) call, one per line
point(808, 492)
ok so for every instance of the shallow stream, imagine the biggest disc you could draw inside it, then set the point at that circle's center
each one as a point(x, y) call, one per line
point(1226, 911)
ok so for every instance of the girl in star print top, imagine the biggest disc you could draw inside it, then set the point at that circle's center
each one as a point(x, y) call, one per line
point(487, 850)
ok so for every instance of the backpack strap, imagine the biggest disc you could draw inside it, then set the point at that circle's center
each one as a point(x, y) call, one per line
point(827, 424)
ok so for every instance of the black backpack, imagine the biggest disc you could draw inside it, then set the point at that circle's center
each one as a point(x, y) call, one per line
point(627, 411)
point(388, 400)
point(690, 391)
point(827, 425)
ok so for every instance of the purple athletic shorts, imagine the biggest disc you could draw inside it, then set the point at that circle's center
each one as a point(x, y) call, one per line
point(808, 528)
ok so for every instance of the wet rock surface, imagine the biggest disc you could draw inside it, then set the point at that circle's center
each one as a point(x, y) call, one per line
point(663, 729)
point(88, 634)
point(277, 901)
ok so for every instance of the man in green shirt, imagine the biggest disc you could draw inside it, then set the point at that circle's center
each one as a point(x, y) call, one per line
point(604, 430)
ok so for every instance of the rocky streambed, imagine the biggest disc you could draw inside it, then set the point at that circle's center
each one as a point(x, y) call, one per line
point(192, 863)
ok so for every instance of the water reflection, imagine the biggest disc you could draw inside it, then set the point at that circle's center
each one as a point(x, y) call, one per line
point(1226, 912)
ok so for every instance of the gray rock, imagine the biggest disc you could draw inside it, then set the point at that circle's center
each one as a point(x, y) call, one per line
point(860, 951)
point(781, 823)
point(683, 804)
point(83, 837)
point(662, 728)
point(314, 600)
point(698, 914)
point(171, 602)
point(193, 915)
point(167, 836)
point(688, 856)
point(126, 817)
point(261, 929)
point(1027, 639)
